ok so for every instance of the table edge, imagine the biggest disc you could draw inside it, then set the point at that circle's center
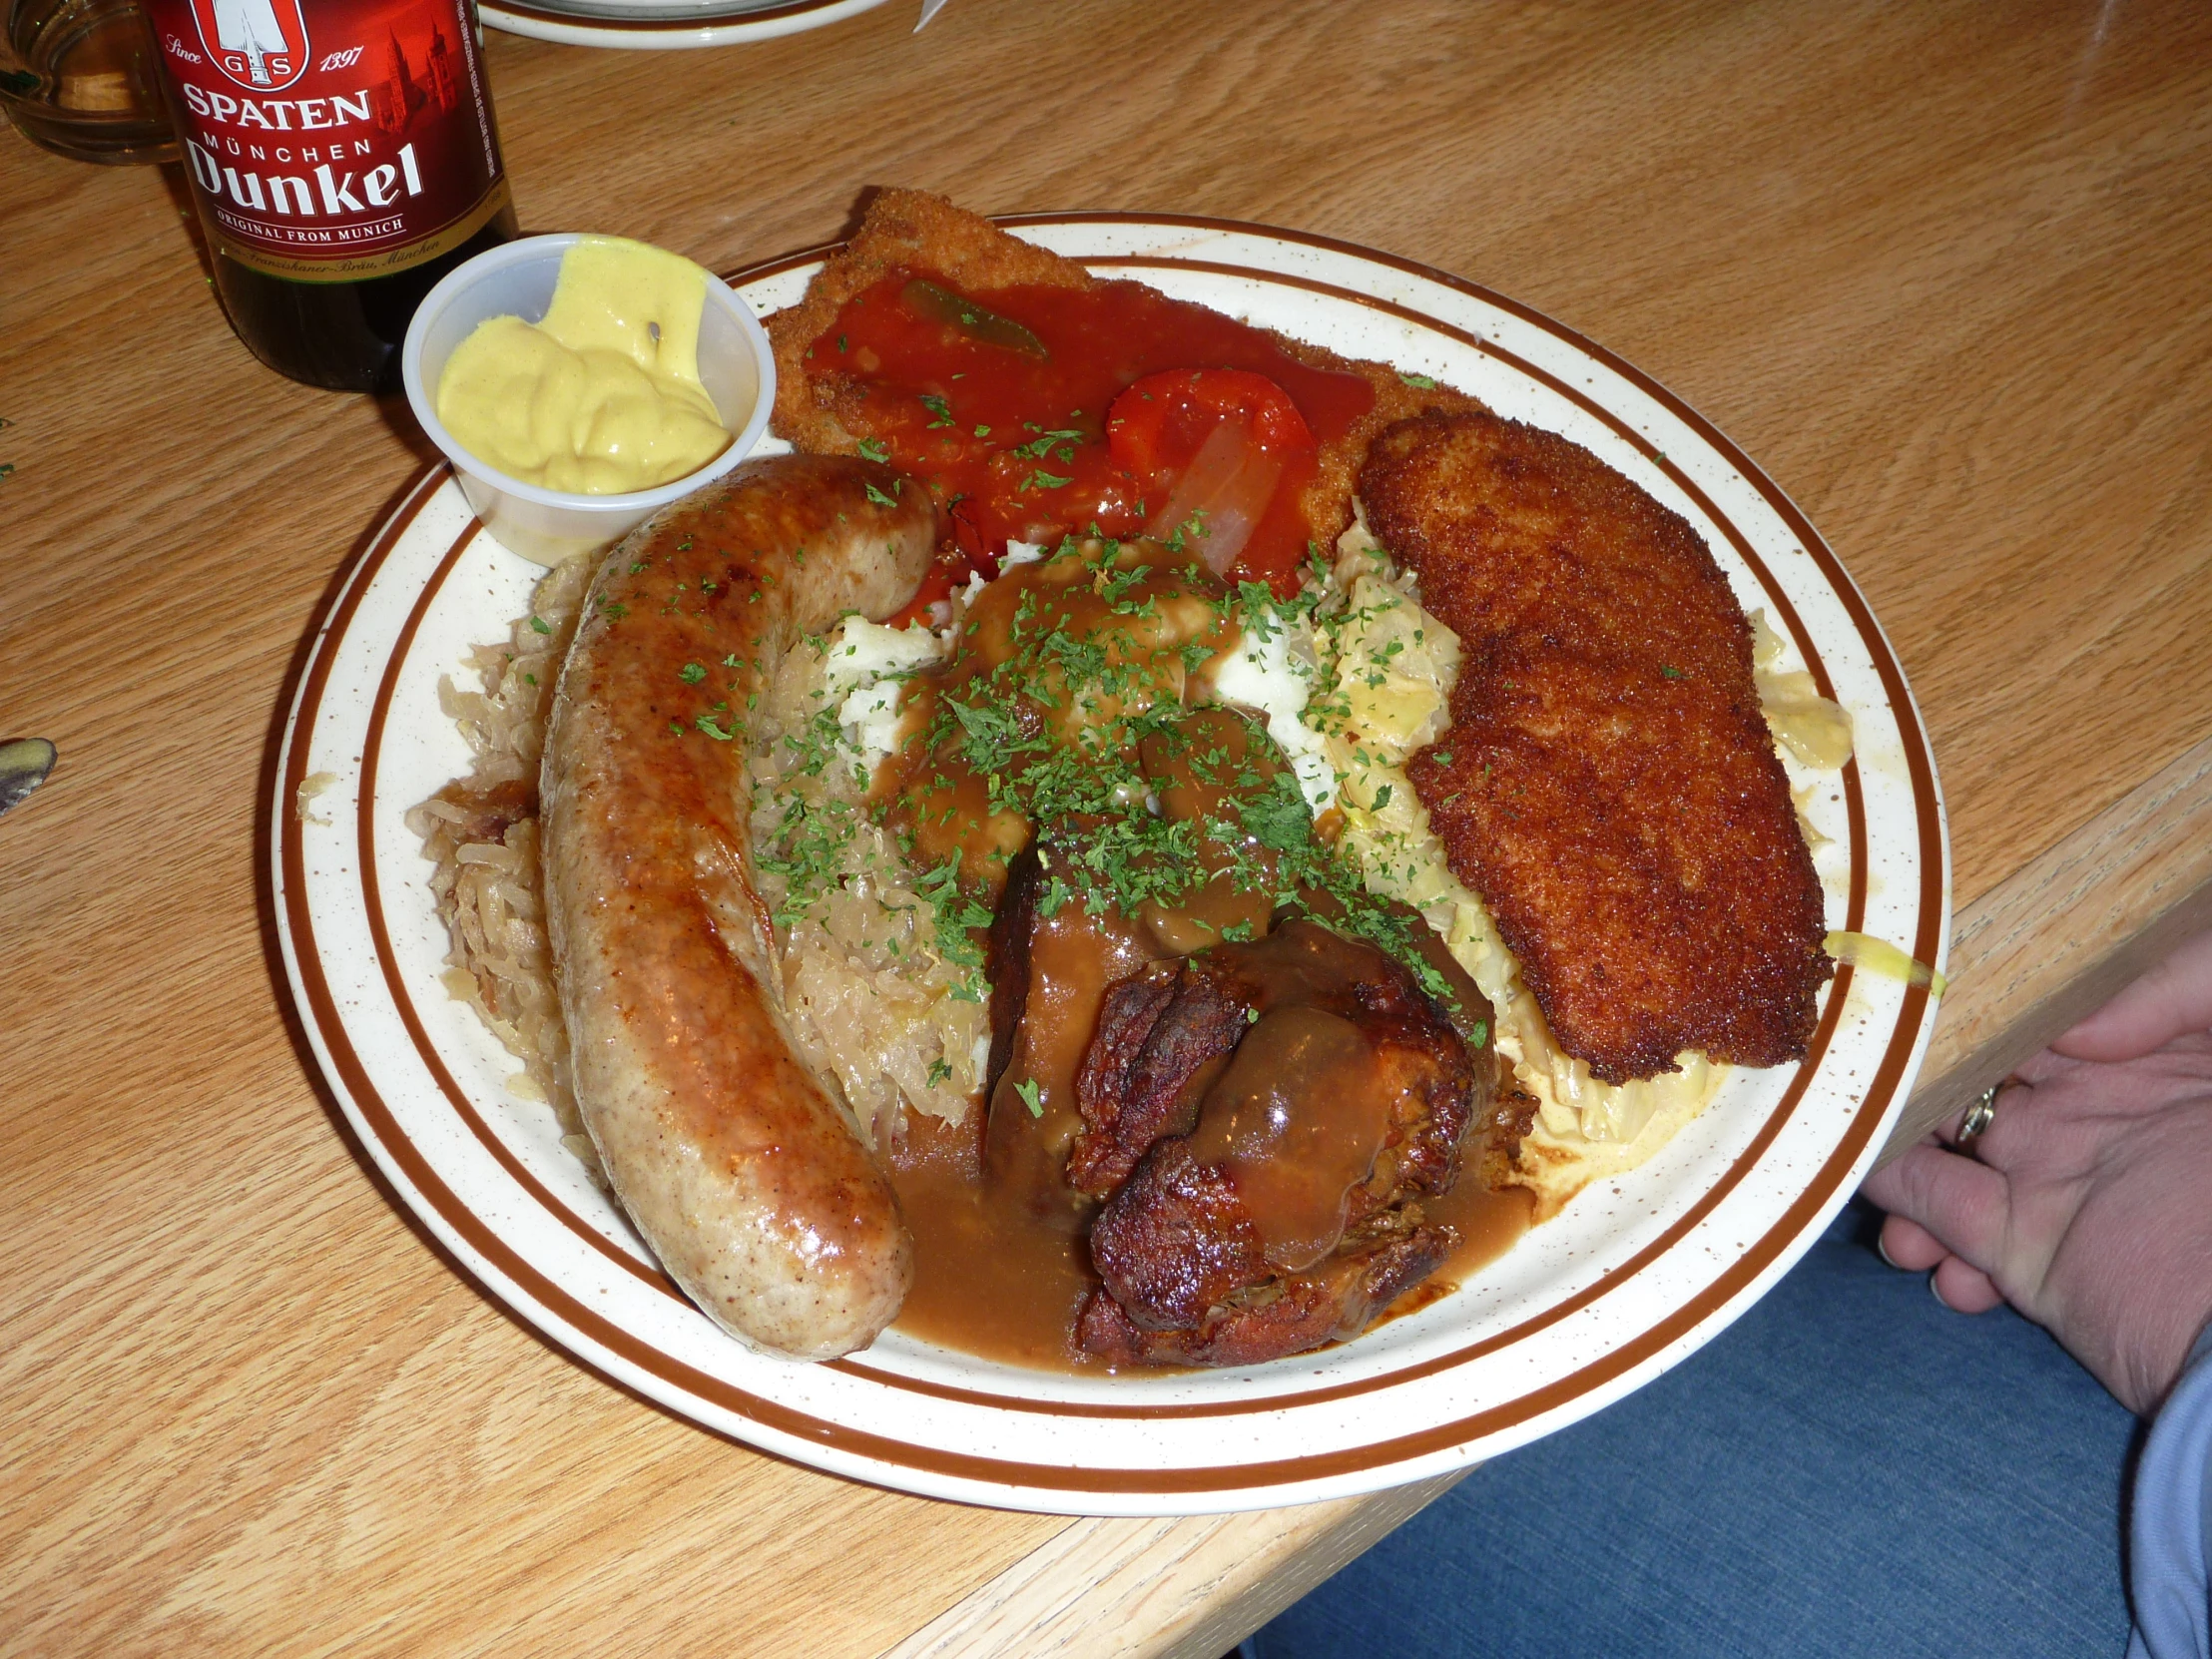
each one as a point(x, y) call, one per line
point(2047, 944)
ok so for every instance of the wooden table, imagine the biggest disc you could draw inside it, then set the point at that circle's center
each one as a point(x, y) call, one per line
point(1941, 269)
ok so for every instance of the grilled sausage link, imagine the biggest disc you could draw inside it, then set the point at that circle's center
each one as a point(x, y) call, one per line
point(744, 1177)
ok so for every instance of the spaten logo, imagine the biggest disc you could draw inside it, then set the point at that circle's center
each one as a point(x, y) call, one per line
point(260, 44)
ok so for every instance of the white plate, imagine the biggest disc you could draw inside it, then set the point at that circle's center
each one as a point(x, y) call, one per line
point(664, 25)
point(1635, 1274)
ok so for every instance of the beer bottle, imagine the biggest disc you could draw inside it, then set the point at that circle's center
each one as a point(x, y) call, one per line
point(343, 157)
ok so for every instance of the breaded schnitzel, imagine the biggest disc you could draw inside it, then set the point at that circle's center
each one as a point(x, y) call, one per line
point(823, 409)
point(1608, 785)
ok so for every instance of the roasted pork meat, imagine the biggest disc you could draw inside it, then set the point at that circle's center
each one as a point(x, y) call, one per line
point(1266, 1117)
point(1051, 973)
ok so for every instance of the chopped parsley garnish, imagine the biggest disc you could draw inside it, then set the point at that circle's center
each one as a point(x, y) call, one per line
point(538, 625)
point(690, 674)
point(1057, 740)
point(880, 498)
point(1030, 1096)
point(1037, 448)
point(1419, 383)
point(871, 450)
point(957, 913)
point(1278, 815)
point(1191, 527)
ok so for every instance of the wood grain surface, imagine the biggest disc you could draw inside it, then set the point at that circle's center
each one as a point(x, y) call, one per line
point(1940, 268)
point(2050, 942)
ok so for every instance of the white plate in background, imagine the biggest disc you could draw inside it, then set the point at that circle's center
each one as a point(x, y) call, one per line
point(664, 25)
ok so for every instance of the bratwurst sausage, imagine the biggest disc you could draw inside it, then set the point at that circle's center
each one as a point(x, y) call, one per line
point(744, 1176)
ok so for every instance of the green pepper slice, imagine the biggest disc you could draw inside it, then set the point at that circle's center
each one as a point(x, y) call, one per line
point(978, 323)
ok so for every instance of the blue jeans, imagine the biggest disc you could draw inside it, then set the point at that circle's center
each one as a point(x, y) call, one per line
point(1851, 1468)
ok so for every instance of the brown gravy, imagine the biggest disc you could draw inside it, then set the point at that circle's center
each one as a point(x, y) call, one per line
point(1490, 1221)
point(1296, 1125)
point(1136, 606)
point(1073, 956)
point(993, 1280)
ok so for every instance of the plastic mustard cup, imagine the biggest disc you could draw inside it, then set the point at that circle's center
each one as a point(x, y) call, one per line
point(736, 365)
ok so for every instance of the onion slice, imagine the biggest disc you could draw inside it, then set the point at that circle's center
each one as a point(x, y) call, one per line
point(1226, 487)
point(1882, 957)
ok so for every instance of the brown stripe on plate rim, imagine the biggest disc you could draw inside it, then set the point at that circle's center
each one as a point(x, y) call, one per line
point(712, 1391)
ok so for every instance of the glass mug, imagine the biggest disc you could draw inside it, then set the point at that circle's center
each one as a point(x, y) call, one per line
point(79, 78)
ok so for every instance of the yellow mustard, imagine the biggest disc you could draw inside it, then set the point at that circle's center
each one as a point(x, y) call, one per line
point(603, 396)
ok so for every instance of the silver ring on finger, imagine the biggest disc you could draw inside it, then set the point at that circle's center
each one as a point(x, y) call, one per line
point(1979, 1116)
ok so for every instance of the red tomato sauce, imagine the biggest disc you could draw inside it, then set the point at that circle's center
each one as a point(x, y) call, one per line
point(1002, 410)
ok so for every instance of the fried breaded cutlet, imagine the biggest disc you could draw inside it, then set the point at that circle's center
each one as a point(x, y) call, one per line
point(1608, 785)
point(910, 229)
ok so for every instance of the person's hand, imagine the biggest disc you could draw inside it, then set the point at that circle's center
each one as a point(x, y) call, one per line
point(2087, 1202)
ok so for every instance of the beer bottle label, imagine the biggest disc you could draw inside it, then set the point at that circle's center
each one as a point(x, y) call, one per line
point(335, 154)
